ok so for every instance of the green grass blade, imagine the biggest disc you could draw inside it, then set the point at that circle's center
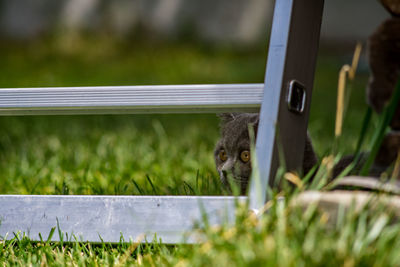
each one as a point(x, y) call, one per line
point(190, 190)
point(51, 234)
point(60, 233)
point(137, 187)
point(152, 185)
point(364, 128)
point(380, 131)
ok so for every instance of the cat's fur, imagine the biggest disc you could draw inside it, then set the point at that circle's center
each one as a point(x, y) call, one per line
point(235, 139)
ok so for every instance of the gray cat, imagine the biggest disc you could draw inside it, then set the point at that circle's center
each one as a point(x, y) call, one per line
point(232, 152)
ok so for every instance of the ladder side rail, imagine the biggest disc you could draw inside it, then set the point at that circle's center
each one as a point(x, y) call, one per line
point(202, 98)
point(106, 218)
point(292, 56)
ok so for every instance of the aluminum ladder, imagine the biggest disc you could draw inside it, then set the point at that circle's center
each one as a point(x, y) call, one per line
point(283, 102)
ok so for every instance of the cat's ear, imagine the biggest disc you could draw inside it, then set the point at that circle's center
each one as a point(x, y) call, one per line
point(227, 117)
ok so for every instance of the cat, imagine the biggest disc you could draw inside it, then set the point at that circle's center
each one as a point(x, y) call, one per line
point(232, 152)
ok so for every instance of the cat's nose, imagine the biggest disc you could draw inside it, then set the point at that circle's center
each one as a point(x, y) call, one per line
point(228, 165)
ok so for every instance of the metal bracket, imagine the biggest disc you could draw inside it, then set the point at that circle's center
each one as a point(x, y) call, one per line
point(296, 97)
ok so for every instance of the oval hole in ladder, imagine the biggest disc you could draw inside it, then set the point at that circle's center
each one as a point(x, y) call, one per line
point(296, 97)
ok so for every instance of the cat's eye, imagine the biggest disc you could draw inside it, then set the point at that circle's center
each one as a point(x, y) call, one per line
point(245, 156)
point(222, 155)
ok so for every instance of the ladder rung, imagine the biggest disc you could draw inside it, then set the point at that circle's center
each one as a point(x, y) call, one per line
point(206, 98)
point(97, 218)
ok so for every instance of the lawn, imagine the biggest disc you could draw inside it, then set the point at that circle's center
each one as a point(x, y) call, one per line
point(170, 155)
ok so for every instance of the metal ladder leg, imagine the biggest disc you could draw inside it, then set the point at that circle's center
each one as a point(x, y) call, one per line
point(291, 61)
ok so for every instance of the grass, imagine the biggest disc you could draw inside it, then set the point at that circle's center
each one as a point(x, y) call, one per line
point(171, 154)
point(107, 155)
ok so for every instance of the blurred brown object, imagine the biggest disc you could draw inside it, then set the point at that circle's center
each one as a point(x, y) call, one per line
point(334, 202)
point(387, 153)
point(384, 60)
point(393, 6)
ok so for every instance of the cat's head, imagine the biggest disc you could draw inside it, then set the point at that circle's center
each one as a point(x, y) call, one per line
point(232, 152)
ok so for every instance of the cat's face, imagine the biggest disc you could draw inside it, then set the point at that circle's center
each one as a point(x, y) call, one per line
point(232, 152)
